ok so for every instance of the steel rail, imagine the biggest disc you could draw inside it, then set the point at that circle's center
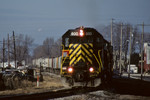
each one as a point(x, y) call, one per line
point(50, 94)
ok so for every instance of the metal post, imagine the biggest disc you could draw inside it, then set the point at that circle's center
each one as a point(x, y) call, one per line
point(142, 51)
point(40, 67)
point(130, 52)
point(120, 49)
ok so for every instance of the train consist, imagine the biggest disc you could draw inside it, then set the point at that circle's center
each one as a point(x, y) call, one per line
point(86, 58)
point(49, 64)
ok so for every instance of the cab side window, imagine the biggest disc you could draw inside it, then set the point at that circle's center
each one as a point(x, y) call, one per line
point(99, 42)
point(66, 42)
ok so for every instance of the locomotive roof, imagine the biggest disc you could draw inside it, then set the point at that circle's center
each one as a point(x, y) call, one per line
point(87, 29)
point(95, 32)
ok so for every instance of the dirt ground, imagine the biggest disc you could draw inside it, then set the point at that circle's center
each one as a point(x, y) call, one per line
point(49, 83)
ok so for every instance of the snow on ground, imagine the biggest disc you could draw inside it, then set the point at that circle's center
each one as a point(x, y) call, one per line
point(103, 95)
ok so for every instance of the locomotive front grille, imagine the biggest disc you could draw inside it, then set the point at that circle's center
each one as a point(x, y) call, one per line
point(80, 53)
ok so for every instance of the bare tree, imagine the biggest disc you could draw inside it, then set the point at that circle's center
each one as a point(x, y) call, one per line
point(57, 48)
point(50, 48)
point(47, 46)
point(23, 44)
point(135, 40)
point(125, 38)
point(38, 52)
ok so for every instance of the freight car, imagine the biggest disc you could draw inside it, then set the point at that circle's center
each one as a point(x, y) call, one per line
point(86, 58)
point(48, 64)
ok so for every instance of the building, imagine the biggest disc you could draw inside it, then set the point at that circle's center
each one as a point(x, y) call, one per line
point(146, 57)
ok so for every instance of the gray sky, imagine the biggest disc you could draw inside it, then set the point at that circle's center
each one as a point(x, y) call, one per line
point(52, 18)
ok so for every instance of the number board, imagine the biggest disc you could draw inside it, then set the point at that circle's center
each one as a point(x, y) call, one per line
point(77, 33)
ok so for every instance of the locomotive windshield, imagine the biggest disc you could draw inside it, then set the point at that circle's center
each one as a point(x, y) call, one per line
point(86, 39)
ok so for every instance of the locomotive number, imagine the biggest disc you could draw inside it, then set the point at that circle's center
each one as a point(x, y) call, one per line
point(77, 34)
point(74, 34)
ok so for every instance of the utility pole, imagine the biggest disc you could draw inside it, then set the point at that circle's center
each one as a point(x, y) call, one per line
point(14, 48)
point(142, 51)
point(3, 51)
point(114, 65)
point(111, 30)
point(48, 57)
point(120, 50)
point(130, 52)
point(8, 53)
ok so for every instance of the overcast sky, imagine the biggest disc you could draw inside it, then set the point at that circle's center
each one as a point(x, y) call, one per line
point(52, 18)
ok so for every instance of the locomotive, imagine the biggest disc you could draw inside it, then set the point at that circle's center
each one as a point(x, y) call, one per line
point(87, 58)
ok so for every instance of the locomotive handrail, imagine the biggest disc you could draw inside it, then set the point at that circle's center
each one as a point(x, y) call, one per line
point(96, 60)
point(99, 62)
point(63, 46)
point(62, 59)
point(100, 58)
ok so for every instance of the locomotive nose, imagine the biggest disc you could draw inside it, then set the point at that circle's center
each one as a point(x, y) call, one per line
point(80, 53)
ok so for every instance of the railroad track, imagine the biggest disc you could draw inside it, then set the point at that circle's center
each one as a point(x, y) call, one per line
point(119, 85)
point(50, 94)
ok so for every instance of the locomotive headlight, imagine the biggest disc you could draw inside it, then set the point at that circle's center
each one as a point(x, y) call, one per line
point(91, 69)
point(70, 70)
point(81, 33)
